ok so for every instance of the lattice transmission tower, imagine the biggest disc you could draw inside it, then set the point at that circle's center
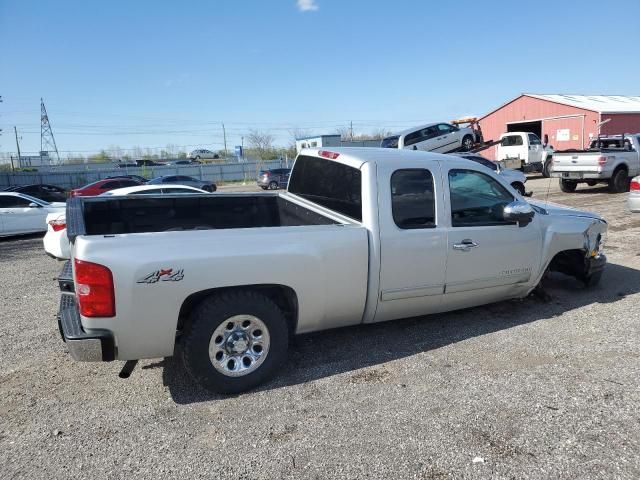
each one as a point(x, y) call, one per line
point(47, 141)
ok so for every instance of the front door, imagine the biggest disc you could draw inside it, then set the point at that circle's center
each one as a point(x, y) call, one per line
point(489, 259)
point(18, 217)
point(535, 149)
point(412, 269)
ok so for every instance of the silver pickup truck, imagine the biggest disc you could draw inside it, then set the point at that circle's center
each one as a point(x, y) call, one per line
point(360, 236)
point(610, 159)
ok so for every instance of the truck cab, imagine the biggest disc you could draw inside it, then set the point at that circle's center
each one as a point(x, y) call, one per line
point(524, 147)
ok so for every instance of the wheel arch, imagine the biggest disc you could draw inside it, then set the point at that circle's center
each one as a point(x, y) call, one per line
point(283, 296)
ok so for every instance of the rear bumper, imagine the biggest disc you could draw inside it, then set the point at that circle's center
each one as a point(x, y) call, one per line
point(83, 346)
point(94, 346)
point(578, 176)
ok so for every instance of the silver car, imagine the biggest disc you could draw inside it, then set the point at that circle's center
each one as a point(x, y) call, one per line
point(516, 178)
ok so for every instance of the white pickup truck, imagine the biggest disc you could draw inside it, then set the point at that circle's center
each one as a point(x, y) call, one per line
point(362, 235)
point(527, 150)
point(612, 160)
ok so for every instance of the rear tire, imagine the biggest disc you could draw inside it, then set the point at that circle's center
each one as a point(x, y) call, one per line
point(273, 185)
point(618, 183)
point(568, 186)
point(519, 187)
point(207, 188)
point(216, 365)
point(467, 143)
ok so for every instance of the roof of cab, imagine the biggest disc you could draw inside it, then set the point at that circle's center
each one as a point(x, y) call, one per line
point(358, 156)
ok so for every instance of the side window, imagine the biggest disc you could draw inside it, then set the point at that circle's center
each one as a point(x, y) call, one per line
point(176, 190)
point(110, 185)
point(128, 183)
point(430, 132)
point(512, 141)
point(476, 199)
point(413, 137)
point(169, 179)
point(412, 199)
point(443, 128)
point(534, 140)
point(13, 202)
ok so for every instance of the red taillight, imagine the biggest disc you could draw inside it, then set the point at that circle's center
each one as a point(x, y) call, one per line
point(58, 224)
point(73, 193)
point(328, 154)
point(634, 186)
point(602, 160)
point(94, 289)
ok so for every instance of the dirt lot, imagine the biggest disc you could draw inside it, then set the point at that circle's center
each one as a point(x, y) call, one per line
point(527, 389)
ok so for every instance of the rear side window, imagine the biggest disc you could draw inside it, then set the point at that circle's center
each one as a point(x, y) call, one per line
point(512, 141)
point(412, 199)
point(330, 184)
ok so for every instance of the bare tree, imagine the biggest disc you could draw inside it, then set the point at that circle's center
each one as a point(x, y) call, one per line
point(344, 132)
point(261, 143)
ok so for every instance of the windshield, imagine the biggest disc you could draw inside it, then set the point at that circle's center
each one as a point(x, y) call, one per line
point(390, 142)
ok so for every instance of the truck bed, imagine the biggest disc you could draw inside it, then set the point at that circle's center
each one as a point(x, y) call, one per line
point(161, 213)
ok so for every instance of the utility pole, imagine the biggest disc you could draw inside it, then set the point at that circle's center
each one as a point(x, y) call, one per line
point(17, 146)
point(351, 128)
point(224, 135)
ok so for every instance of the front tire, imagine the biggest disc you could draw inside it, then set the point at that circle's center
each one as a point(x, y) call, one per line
point(235, 341)
point(568, 186)
point(467, 143)
point(618, 182)
point(546, 167)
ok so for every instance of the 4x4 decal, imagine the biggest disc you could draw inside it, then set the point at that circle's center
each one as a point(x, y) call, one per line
point(163, 275)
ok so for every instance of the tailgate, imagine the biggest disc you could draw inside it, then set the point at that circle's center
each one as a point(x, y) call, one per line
point(576, 161)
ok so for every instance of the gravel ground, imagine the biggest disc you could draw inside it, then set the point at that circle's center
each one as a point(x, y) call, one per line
point(527, 389)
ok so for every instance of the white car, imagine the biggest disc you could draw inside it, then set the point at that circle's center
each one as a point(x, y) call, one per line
point(433, 137)
point(516, 178)
point(56, 243)
point(202, 154)
point(633, 200)
point(20, 213)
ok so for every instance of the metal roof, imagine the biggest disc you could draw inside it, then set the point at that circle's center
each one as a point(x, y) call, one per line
point(596, 103)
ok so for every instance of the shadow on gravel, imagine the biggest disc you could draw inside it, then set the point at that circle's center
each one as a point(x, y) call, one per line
point(12, 247)
point(323, 354)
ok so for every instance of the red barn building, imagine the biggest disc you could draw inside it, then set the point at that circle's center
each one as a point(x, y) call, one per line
point(565, 121)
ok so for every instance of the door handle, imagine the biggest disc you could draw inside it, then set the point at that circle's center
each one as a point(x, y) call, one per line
point(465, 246)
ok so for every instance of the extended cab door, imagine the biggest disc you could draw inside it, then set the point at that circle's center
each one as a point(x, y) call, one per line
point(488, 258)
point(413, 243)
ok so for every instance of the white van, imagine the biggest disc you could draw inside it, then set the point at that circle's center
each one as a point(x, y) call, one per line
point(434, 137)
point(526, 147)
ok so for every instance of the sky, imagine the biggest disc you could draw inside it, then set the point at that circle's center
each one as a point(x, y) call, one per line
point(152, 73)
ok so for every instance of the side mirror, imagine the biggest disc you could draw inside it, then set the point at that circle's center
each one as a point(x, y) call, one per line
point(34, 205)
point(520, 212)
